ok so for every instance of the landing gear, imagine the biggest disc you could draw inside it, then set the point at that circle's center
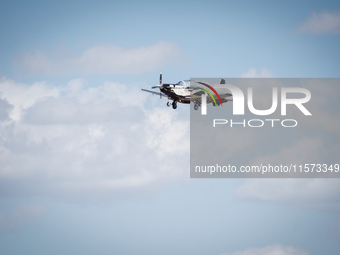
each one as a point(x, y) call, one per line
point(196, 107)
point(174, 104)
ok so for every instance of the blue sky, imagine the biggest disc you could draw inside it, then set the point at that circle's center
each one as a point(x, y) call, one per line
point(89, 164)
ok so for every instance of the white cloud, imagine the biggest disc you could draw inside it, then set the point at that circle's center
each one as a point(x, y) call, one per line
point(321, 23)
point(21, 96)
point(276, 249)
point(112, 59)
point(5, 108)
point(300, 151)
point(254, 73)
point(20, 216)
point(324, 106)
point(76, 141)
point(315, 140)
point(321, 194)
point(102, 59)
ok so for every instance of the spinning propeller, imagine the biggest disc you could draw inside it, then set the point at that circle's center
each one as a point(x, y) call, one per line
point(160, 84)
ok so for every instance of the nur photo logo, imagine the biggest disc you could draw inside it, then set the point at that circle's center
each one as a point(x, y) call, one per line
point(281, 101)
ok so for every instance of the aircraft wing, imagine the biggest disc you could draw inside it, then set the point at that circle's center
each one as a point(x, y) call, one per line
point(156, 93)
point(226, 95)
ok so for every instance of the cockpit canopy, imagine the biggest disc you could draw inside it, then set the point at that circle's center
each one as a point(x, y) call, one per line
point(185, 83)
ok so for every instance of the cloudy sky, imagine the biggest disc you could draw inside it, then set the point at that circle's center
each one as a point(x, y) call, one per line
point(89, 164)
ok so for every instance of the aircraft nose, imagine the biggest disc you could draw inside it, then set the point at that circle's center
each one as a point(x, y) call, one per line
point(157, 86)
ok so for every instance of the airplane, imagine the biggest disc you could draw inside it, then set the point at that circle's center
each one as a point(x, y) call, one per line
point(182, 92)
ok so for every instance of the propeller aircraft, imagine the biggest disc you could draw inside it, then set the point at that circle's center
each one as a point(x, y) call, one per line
point(182, 92)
